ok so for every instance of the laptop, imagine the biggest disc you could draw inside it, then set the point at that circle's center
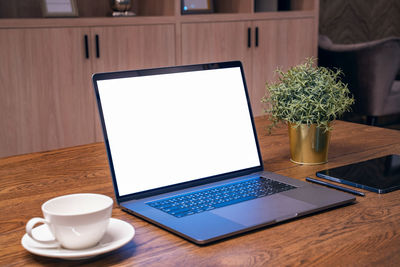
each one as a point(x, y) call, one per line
point(184, 155)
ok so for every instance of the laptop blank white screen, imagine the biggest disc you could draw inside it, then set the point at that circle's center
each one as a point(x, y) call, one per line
point(172, 128)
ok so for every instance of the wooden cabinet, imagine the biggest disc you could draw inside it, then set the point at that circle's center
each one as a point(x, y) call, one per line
point(46, 95)
point(134, 47)
point(216, 41)
point(281, 44)
point(44, 98)
point(261, 45)
point(130, 47)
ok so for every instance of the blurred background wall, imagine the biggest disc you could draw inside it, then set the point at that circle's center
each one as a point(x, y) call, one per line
point(354, 21)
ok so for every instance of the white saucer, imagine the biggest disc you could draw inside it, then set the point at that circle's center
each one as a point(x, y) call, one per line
point(118, 234)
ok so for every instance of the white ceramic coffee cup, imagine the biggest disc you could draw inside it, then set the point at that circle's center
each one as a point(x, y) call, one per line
point(76, 221)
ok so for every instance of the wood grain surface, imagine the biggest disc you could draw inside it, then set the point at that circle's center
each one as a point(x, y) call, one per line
point(362, 234)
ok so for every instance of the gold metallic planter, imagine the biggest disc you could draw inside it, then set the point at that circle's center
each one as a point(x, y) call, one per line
point(308, 144)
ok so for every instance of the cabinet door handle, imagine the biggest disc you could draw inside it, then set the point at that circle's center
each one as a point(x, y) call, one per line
point(86, 46)
point(248, 37)
point(256, 36)
point(97, 46)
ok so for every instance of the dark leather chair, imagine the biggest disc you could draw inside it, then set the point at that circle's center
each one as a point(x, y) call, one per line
point(371, 70)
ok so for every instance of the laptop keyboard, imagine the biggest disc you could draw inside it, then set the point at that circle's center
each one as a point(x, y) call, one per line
point(220, 196)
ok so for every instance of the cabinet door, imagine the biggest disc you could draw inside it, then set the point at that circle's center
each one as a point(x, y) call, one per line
point(45, 98)
point(134, 47)
point(217, 41)
point(282, 44)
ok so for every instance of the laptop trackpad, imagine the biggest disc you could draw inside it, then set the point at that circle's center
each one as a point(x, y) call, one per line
point(263, 210)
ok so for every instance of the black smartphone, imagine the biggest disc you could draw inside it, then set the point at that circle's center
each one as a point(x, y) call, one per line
point(380, 175)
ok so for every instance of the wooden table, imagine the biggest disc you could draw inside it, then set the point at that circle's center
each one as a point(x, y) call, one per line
point(362, 234)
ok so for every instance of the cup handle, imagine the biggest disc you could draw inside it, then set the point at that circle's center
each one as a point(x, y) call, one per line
point(31, 225)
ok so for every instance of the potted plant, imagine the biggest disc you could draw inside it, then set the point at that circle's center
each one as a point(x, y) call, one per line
point(308, 99)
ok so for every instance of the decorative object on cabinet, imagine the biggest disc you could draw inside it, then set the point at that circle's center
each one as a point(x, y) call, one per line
point(59, 8)
point(121, 8)
point(308, 99)
point(265, 5)
point(197, 6)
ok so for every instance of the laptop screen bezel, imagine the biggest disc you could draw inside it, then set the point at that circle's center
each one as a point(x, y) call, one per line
point(166, 70)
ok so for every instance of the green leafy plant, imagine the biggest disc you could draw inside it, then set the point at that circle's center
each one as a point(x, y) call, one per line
point(307, 95)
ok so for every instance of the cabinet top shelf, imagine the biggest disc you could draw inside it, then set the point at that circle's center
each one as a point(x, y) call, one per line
point(84, 22)
point(96, 9)
point(144, 20)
